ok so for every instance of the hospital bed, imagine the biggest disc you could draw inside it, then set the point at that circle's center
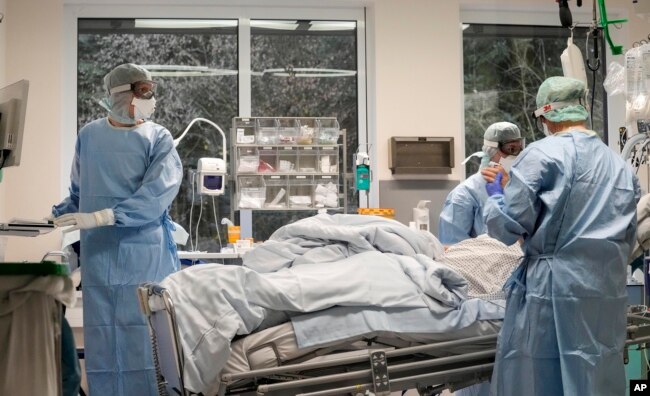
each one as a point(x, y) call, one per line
point(308, 314)
point(269, 362)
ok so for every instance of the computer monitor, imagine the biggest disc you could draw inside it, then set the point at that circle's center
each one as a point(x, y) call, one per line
point(13, 105)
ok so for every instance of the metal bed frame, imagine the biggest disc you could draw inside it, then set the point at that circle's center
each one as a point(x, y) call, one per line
point(372, 372)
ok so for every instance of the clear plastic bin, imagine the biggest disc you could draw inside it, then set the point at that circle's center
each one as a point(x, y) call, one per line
point(252, 192)
point(248, 160)
point(301, 191)
point(268, 159)
point(326, 191)
point(307, 159)
point(244, 130)
point(328, 131)
point(277, 192)
point(266, 130)
point(287, 159)
point(328, 159)
point(288, 130)
point(308, 131)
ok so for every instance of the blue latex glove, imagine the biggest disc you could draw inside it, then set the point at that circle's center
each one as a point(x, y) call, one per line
point(495, 186)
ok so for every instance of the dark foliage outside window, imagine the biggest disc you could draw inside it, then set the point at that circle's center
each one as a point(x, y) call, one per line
point(301, 53)
point(503, 67)
point(198, 78)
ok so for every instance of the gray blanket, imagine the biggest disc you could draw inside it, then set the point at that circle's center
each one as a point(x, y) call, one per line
point(324, 238)
point(307, 266)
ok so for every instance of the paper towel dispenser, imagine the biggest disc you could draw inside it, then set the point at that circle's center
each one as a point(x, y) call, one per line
point(421, 155)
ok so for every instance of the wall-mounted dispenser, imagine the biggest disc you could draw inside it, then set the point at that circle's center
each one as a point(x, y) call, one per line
point(421, 155)
point(361, 171)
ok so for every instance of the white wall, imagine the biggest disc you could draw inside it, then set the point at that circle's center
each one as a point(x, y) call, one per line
point(419, 78)
point(3, 82)
point(33, 52)
point(416, 77)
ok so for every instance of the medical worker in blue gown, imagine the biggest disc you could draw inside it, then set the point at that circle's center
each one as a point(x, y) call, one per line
point(125, 174)
point(572, 201)
point(462, 214)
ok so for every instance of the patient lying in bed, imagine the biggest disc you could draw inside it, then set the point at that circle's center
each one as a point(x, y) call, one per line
point(336, 278)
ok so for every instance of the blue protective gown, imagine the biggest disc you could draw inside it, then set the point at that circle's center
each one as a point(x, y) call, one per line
point(136, 172)
point(462, 218)
point(462, 215)
point(573, 201)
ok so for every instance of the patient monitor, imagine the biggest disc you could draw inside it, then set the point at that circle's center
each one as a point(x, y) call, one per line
point(13, 104)
point(212, 174)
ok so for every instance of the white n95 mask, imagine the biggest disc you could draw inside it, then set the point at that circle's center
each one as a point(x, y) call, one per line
point(144, 108)
point(507, 162)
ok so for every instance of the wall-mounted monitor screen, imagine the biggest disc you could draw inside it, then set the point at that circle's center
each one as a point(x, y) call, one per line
point(13, 105)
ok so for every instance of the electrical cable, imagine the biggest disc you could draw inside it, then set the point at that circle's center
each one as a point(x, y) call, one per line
point(198, 221)
point(216, 224)
point(192, 186)
point(593, 97)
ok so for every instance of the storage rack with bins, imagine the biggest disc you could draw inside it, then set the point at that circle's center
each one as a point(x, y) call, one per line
point(288, 163)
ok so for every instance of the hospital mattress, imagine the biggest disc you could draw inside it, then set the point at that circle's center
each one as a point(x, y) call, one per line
point(277, 345)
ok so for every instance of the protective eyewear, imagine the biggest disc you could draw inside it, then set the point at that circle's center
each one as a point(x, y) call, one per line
point(512, 147)
point(140, 89)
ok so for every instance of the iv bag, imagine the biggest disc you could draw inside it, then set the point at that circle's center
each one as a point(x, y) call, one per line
point(573, 64)
point(637, 89)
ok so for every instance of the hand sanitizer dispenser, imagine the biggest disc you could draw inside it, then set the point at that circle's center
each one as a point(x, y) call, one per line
point(421, 216)
point(362, 171)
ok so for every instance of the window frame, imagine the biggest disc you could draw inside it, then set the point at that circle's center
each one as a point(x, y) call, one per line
point(543, 16)
point(244, 14)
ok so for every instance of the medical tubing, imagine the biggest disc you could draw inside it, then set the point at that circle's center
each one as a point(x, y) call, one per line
point(631, 143)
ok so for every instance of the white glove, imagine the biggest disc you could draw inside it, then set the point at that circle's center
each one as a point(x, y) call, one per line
point(84, 221)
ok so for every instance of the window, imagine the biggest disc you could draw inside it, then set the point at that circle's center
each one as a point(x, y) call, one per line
point(503, 67)
point(298, 68)
point(304, 68)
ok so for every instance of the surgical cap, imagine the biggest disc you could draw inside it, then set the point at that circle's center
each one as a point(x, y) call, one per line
point(497, 132)
point(117, 104)
point(127, 73)
point(567, 90)
point(502, 132)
